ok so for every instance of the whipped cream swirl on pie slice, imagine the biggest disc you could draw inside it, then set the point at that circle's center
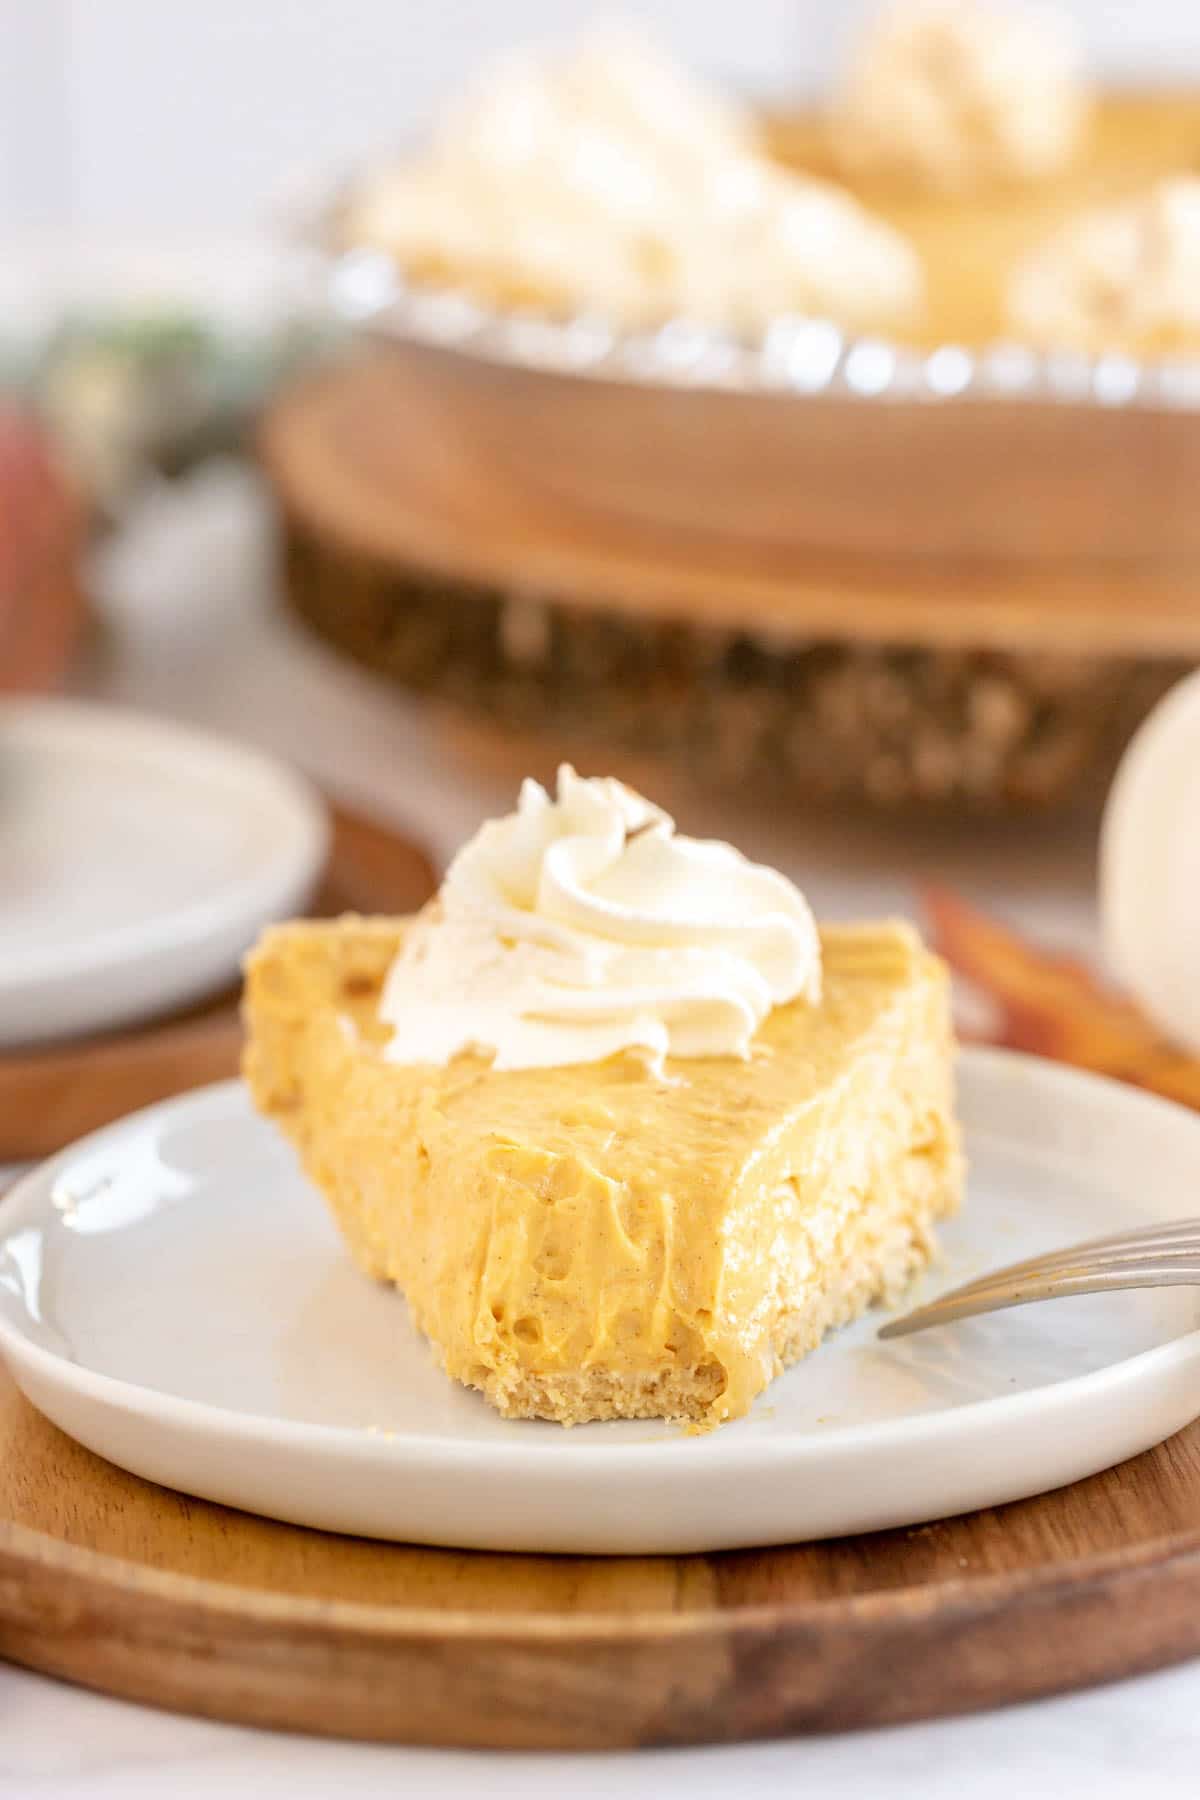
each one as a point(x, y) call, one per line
point(584, 925)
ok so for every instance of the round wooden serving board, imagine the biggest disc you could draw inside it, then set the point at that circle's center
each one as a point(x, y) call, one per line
point(122, 1586)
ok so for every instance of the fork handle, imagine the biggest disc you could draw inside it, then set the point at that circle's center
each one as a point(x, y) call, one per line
point(982, 1297)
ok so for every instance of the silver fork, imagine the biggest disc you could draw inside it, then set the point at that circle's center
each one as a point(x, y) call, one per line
point(1155, 1256)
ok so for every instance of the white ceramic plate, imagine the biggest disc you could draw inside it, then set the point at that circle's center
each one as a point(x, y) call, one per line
point(173, 1295)
point(138, 860)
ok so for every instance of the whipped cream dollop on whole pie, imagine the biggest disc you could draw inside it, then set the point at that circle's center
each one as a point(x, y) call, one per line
point(629, 1134)
point(1119, 277)
point(583, 925)
point(606, 181)
point(960, 94)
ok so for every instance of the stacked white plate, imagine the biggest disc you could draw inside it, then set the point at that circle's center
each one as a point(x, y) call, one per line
point(138, 861)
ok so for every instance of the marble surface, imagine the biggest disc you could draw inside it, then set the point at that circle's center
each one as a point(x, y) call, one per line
point(186, 600)
point(1142, 1737)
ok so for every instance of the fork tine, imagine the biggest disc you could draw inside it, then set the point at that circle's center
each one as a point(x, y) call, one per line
point(1005, 1290)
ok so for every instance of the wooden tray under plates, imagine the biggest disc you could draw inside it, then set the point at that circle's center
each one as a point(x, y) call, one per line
point(123, 1586)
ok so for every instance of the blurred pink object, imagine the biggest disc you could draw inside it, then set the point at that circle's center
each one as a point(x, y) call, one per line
point(41, 532)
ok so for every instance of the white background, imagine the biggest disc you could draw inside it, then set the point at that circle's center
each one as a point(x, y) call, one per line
point(165, 119)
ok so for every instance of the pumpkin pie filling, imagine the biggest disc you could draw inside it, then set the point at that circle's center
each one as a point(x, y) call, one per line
point(614, 1239)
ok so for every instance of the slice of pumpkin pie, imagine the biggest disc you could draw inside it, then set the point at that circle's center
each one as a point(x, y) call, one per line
point(626, 1130)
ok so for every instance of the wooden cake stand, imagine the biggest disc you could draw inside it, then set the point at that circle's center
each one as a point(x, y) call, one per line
point(500, 537)
point(899, 682)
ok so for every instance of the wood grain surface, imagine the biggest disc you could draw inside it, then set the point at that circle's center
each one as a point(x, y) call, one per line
point(50, 1097)
point(378, 456)
point(538, 631)
point(123, 1586)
